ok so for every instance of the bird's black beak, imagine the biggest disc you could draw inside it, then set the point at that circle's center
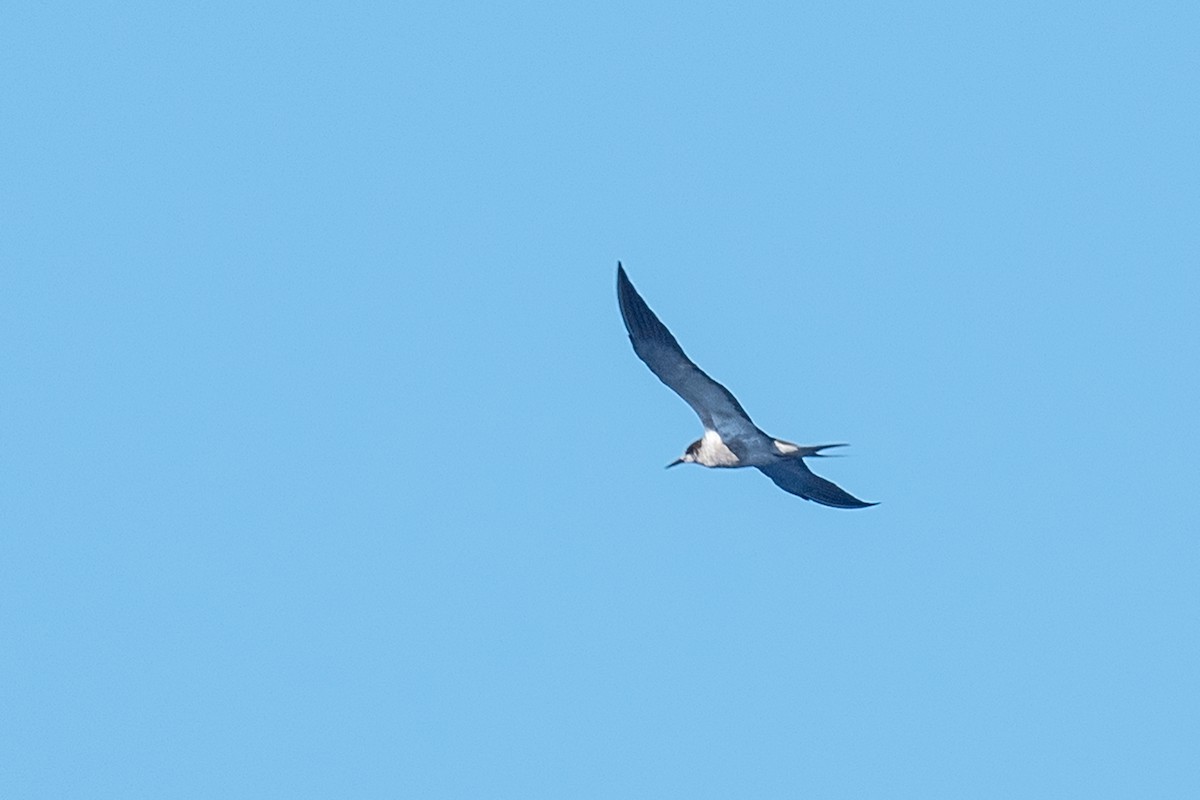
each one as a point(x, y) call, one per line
point(676, 462)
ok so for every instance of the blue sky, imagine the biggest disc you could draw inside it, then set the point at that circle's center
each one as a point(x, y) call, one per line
point(328, 469)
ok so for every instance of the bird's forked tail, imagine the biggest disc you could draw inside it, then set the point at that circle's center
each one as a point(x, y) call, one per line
point(793, 450)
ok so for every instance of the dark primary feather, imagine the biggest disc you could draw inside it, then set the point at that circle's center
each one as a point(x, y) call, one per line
point(718, 409)
point(793, 475)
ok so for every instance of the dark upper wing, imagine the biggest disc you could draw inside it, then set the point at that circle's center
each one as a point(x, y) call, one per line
point(718, 409)
point(793, 475)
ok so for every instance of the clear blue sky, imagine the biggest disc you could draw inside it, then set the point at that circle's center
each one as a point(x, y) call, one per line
point(328, 470)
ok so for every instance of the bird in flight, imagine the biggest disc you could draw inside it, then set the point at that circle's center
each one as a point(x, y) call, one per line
point(730, 438)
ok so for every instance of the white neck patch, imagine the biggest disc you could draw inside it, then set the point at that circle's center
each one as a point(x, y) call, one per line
point(713, 452)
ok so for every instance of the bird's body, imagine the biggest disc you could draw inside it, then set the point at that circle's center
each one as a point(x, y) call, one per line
point(730, 438)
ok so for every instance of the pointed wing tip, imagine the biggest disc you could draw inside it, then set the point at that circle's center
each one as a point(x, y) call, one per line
point(848, 501)
point(794, 477)
point(843, 504)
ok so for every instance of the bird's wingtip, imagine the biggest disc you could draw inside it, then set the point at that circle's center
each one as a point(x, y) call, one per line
point(850, 505)
point(624, 285)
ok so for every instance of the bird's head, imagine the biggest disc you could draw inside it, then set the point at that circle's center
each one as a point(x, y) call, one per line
point(689, 455)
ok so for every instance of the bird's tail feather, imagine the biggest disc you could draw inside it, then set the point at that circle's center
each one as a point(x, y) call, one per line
point(815, 450)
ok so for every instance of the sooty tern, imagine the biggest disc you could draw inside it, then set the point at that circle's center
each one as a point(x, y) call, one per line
point(730, 438)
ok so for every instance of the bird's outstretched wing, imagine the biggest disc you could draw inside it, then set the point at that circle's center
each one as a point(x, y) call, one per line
point(793, 475)
point(718, 409)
